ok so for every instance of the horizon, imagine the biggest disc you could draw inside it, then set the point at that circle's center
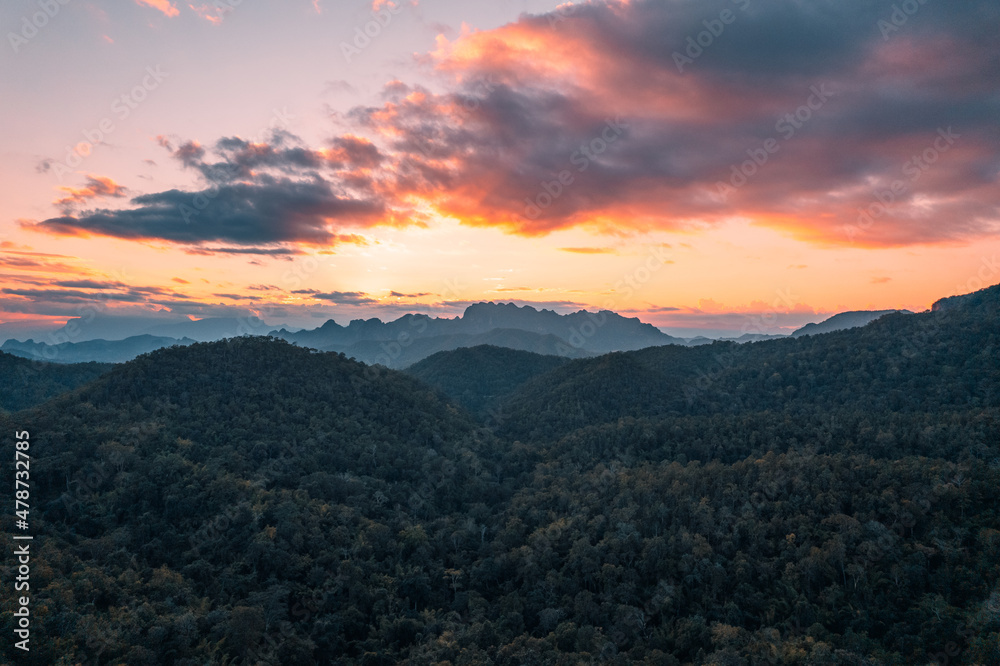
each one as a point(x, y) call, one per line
point(322, 174)
point(68, 331)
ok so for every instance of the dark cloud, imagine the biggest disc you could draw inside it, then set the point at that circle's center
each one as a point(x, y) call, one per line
point(396, 294)
point(508, 146)
point(71, 296)
point(266, 251)
point(345, 298)
point(270, 212)
point(88, 284)
point(625, 126)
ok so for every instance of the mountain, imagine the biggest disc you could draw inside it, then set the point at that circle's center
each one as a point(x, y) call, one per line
point(845, 320)
point(395, 344)
point(591, 333)
point(828, 499)
point(210, 329)
point(396, 355)
point(749, 337)
point(896, 363)
point(115, 328)
point(108, 327)
point(25, 383)
point(101, 351)
point(478, 377)
point(157, 474)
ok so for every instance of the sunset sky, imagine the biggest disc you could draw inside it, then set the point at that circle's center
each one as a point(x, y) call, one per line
point(697, 164)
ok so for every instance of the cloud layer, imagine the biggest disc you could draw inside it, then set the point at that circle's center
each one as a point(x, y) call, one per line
point(838, 123)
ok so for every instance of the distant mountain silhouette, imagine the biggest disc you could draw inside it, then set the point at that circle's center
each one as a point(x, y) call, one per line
point(114, 328)
point(845, 320)
point(101, 351)
point(588, 332)
point(401, 355)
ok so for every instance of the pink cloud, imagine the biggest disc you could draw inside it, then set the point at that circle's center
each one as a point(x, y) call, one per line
point(164, 6)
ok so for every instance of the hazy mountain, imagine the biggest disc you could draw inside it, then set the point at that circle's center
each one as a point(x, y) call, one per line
point(753, 337)
point(101, 351)
point(25, 383)
point(395, 355)
point(585, 331)
point(845, 320)
point(113, 328)
point(211, 329)
point(108, 327)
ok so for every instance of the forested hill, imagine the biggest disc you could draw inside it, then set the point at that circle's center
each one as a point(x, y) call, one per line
point(918, 364)
point(25, 383)
point(183, 497)
point(479, 377)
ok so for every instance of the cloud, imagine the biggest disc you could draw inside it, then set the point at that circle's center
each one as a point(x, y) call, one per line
point(88, 284)
point(97, 187)
point(38, 262)
point(798, 118)
point(345, 298)
point(881, 280)
point(396, 294)
point(585, 120)
point(213, 14)
point(164, 6)
point(589, 250)
point(268, 212)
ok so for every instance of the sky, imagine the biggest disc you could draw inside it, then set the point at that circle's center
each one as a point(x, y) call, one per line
point(711, 166)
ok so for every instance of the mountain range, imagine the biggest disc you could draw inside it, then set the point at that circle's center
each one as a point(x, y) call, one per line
point(825, 499)
point(396, 344)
